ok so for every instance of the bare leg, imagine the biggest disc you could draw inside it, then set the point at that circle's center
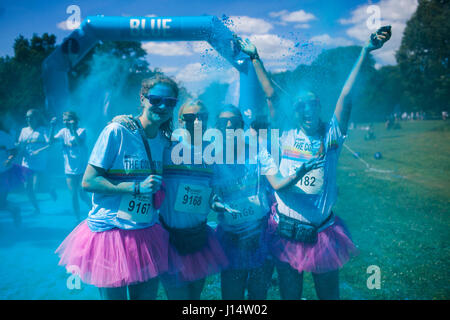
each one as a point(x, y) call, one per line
point(145, 290)
point(119, 293)
point(30, 188)
point(327, 285)
point(291, 282)
point(189, 291)
point(196, 288)
point(73, 186)
point(233, 284)
point(258, 282)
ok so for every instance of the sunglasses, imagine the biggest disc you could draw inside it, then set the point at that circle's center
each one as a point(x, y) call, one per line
point(156, 101)
point(236, 122)
point(302, 104)
point(191, 117)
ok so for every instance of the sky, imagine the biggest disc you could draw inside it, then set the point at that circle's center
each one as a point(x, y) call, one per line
point(286, 32)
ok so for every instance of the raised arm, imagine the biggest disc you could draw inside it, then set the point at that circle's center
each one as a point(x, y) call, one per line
point(249, 48)
point(343, 108)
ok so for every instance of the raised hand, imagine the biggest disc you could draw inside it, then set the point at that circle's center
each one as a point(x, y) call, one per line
point(314, 163)
point(248, 48)
point(151, 184)
point(378, 38)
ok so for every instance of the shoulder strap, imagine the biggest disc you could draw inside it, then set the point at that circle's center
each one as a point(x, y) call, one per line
point(147, 147)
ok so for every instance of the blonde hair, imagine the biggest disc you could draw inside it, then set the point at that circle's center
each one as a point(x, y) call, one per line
point(191, 103)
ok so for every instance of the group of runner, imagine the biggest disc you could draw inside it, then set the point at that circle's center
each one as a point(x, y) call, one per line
point(25, 160)
point(148, 221)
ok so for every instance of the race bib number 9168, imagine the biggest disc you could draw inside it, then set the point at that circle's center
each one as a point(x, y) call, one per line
point(136, 208)
point(192, 198)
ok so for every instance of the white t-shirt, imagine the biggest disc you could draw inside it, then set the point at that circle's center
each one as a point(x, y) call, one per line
point(121, 153)
point(6, 145)
point(75, 156)
point(313, 197)
point(30, 141)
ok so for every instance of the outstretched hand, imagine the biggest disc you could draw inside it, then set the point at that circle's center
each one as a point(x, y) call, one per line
point(314, 163)
point(378, 38)
point(218, 205)
point(248, 48)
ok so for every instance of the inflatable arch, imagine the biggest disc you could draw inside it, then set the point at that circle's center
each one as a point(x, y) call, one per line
point(97, 28)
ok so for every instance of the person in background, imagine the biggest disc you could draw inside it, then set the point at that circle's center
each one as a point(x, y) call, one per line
point(73, 140)
point(32, 146)
point(10, 173)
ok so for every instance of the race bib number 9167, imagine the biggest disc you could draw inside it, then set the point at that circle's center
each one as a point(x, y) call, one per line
point(136, 208)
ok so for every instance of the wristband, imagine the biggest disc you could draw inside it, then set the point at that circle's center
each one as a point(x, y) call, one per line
point(254, 56)
point(137, 187)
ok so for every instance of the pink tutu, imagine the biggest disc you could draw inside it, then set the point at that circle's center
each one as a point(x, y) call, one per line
point(195, 266)
point(332, 250)
point(116, 257)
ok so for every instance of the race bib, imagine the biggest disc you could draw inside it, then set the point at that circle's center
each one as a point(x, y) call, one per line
point(310, 183)
point(136, 208)
point(249, 209)
point(192, 198)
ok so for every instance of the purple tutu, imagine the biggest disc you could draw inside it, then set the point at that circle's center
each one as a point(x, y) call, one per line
point(13, 178)
point(116, 257)
point(209, 260)
point(247, 257)
point(332, 250)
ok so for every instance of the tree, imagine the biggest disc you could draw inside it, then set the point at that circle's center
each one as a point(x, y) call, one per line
point(21, 84)
point(423, 56)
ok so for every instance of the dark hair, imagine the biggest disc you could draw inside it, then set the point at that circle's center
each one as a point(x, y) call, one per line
point(230, 108)
point(39, 116)
point(72, 115)
point(148, 83)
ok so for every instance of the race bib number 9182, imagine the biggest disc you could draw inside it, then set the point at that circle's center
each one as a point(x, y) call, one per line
point(136, 208)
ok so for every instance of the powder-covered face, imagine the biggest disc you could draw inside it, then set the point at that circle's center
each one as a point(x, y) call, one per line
point(311, 116)
point(68, 121)
point(159, 113)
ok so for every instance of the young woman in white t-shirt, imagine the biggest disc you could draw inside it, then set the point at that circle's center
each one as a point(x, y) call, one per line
point(121, 247)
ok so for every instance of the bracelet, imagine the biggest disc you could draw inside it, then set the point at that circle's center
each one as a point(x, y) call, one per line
point(137, 187)
point(254, 56)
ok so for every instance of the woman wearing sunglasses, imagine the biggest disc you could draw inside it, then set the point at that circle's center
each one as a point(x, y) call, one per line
point(242, 232)
point(309, 237)
point(121, 246)
point(194, 251)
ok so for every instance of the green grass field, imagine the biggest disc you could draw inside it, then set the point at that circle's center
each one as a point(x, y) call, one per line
point(399, 220)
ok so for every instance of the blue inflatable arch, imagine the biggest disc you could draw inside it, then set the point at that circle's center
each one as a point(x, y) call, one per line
point(97, 28)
